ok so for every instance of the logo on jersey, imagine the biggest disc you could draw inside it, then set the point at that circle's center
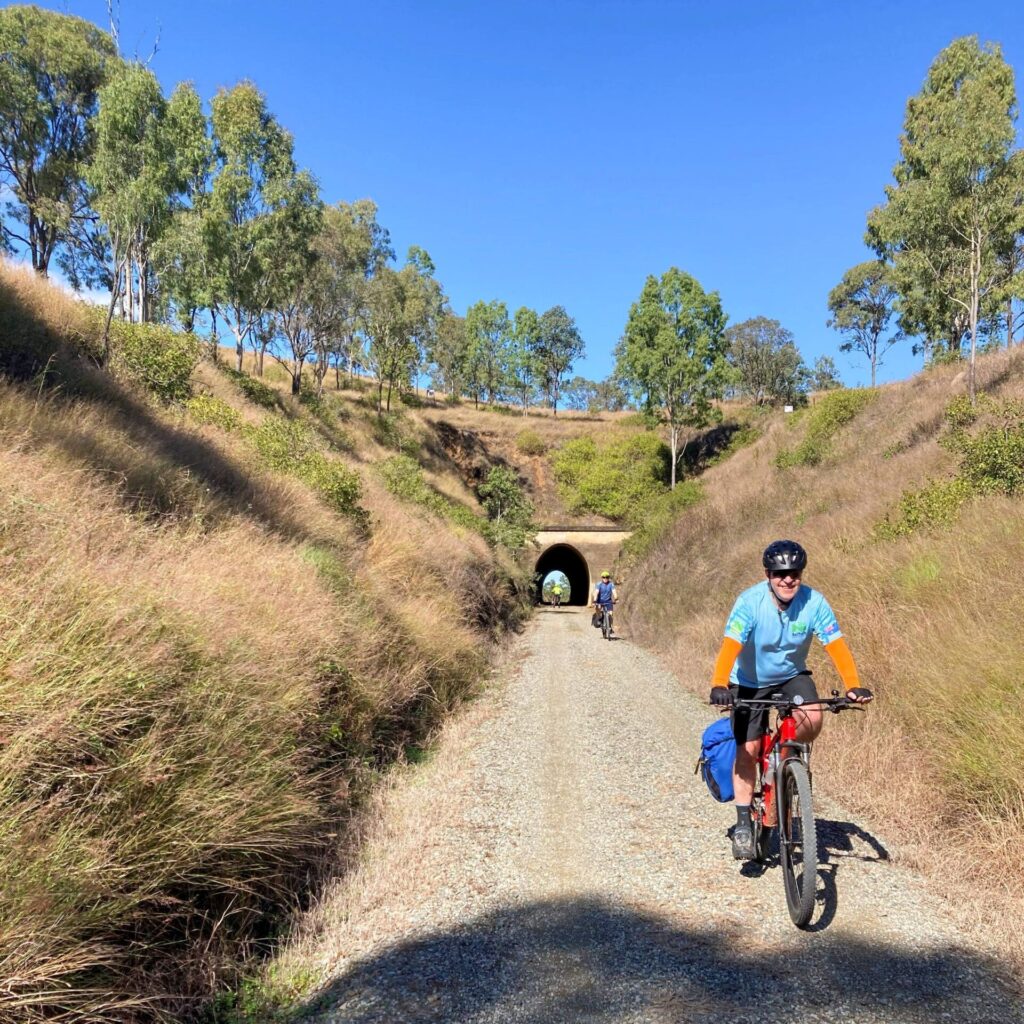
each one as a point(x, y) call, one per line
point(798, 628)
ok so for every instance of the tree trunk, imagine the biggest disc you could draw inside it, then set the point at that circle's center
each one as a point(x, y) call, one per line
point(975, 301)
point(673, 438)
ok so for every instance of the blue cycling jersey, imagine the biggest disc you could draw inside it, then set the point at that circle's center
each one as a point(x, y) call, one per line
point(776, 640)
point(603, 595)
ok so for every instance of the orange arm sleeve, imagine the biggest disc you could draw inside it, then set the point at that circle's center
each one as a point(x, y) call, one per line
point(727, 655)
point(841, 657)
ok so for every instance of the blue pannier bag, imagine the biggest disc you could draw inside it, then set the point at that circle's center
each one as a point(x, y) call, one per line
point(717, 754)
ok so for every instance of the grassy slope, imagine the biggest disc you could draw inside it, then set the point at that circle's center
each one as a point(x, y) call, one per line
point(201, 665)
point(932, 618)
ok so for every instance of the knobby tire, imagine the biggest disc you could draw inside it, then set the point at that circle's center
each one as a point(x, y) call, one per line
point(606, 627)
point(798, 841)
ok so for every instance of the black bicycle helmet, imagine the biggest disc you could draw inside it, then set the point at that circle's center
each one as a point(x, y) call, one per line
point(784, 554)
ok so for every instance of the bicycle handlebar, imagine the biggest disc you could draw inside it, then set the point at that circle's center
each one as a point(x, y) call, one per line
point(789, 704)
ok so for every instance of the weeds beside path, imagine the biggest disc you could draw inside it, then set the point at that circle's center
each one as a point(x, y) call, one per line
point(558, 861)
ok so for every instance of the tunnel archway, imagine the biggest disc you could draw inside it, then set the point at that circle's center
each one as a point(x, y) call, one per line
point(566, 559)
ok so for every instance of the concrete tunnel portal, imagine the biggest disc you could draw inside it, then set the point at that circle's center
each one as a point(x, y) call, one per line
point(566, 559)
point(581, 553)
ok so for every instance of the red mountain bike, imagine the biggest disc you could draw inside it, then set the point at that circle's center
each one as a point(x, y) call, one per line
point(782, 799)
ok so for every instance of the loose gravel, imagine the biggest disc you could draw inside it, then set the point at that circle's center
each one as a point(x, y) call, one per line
point(559, 861)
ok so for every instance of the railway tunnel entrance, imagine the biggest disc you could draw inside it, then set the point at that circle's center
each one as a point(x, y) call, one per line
point(580, 554)
point(564, 558)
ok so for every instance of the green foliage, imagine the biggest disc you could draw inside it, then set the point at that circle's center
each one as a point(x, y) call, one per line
point(991, 462)
point(617, 479)
point(403, 477)
point(253, 389)
point(392, 431)
point(529, 442)
point(159, 358)
point(825, 419)
point(935, 506)
point(862, 305)
point(509, 511)
point(768, 365)
point(658, 515)
point(289, 446)
point(672, 354)
point(208, 409)
point(51, 70)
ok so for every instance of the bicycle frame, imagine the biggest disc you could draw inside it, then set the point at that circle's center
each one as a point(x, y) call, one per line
point(782, 737)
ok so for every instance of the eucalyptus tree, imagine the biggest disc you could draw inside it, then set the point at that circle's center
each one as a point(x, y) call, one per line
point(425, 305)
point(350, 248)
point(148, 151)
point(449, 353)
point(298, 221)
point(51, 69)
point(767, 361)
point(824, 375)
point(672, 353)
point(489, 331)
point(252, 172)
point(401, 311)
point(862, 308)
point(522, 366)
point(559, 345)
point(956, 197)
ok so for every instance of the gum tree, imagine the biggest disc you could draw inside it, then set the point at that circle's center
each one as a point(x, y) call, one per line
point(862, 307)
point(51, 69)
point(672, 353)
point(558, 346)
point(957, 196)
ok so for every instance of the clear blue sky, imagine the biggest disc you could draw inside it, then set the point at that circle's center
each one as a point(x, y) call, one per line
point(558, 151)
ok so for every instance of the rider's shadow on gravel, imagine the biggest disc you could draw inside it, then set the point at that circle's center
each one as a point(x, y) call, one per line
point(585, 960)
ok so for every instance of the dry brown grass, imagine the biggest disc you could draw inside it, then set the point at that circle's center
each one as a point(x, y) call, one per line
point(938, 761)
point(201, 665)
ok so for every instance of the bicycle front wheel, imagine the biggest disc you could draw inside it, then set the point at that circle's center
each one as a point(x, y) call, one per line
point(606, 626)
point(798, 841)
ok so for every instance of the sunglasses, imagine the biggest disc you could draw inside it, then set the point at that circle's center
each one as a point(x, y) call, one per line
point(781, 574)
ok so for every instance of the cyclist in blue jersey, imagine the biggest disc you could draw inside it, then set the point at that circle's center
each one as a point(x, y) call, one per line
point(764, 651)
point(605, 596)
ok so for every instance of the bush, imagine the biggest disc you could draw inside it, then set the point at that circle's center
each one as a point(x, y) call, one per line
point(206, 409)
point(253, 389)
point(933, 507)
point(392, 431)
point(617, 480)
point(403, 477)
point(825, 420)
point(159, 358)
point(529, 442)
point(289, 446)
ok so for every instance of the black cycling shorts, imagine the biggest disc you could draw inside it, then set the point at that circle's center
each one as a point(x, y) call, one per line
point(748, 723)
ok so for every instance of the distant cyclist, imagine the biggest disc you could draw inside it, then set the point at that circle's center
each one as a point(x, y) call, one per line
point(764, 651)
point(605, 596)
point(556, 594)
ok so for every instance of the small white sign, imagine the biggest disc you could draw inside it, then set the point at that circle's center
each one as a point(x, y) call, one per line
point(787, 408)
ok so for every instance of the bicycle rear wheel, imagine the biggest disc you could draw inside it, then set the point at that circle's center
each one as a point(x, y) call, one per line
point(798, 841)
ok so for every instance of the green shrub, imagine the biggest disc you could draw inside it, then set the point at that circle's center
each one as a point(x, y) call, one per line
point(289, 446)
point(403, 477)
point(253, 389)
point(529, 442)
point(825, 420)
point(659, 515)
point(159, 358)
point(392, 431)
point(207, 409)
point(933, 507)
point(616, 479)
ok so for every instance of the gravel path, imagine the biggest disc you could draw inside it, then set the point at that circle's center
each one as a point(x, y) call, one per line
point(558, 861)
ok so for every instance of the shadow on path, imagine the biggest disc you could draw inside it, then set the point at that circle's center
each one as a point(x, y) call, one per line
point(589, 960)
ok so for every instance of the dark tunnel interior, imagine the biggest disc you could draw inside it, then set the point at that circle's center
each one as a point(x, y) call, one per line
point(568, 560)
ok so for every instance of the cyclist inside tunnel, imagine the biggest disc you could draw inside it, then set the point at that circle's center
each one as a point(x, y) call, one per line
point(565, 561)
point(764, 651)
